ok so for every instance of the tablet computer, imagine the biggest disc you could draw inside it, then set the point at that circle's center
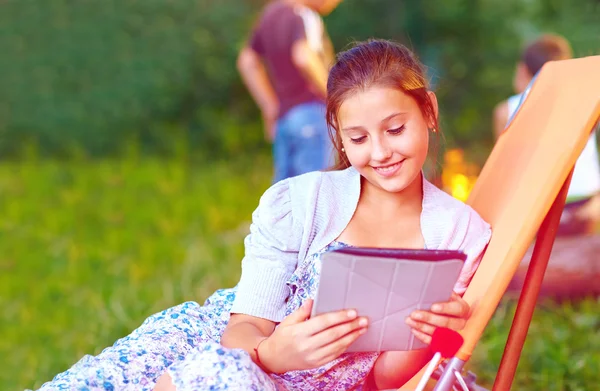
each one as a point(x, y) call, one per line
point(386, 285)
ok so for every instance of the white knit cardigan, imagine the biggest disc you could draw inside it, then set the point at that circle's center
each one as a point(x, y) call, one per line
point(301, 215)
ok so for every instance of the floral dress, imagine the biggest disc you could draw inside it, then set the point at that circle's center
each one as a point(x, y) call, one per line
point(184, 340)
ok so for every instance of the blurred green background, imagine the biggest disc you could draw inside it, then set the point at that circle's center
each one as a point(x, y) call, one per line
point(131, 158)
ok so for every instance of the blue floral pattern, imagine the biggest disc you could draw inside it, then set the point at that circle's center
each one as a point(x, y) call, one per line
point(184, 340)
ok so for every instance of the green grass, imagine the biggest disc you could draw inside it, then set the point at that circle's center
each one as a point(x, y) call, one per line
point(562, 350)
point(89, 249)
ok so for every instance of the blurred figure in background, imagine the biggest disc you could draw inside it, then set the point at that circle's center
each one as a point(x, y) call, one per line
point(582, 210)
point(285, 65)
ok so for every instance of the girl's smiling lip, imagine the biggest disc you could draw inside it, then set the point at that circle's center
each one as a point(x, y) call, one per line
point(388, 170)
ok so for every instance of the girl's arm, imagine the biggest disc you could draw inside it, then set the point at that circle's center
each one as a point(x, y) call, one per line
point(246, 332)
point(394, 369)
point(298, 343)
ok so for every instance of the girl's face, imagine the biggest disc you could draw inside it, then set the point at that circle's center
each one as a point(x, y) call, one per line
point(385, 136)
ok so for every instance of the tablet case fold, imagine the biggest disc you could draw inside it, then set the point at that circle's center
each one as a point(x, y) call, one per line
point(386, 285)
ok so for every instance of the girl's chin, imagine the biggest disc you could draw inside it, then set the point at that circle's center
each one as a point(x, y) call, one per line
point(392, 185)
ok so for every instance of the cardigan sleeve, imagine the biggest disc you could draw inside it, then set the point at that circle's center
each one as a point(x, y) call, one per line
point(473, 236)
point(271, 256)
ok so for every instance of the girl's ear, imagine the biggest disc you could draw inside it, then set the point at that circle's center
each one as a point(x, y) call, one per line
point(434, 105)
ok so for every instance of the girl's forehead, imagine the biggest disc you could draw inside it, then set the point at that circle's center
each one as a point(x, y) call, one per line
point(378, 99)
point(374, 105)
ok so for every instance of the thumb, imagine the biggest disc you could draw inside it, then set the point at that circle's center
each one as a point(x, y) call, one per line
point(300, 315)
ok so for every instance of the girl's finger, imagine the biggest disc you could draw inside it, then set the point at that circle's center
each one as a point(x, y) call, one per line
point(335, 349)
point(438, 320)
point(299, 315)
point(421, 327)
point(456, 307)
point(324, 321)
point(334, 333)
point(426, 339)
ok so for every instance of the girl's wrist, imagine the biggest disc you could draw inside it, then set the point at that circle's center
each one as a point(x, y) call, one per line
point(259, 354)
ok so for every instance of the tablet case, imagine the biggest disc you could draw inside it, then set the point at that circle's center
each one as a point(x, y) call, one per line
point(386, 285)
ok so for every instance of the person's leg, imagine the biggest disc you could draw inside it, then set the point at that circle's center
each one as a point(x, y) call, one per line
point(281, 151)
point(312, 146)
point(135, 362)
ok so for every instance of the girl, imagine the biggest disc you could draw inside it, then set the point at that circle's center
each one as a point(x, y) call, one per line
point(257, 335)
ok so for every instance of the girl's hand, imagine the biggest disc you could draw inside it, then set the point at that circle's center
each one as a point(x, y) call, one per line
point(452, 314)
point(298, 343)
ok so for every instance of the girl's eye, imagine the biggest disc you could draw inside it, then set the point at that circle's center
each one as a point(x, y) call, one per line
point(396, 130)
point(358, 140)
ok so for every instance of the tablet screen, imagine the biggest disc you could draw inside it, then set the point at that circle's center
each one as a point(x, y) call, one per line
point(386, 285)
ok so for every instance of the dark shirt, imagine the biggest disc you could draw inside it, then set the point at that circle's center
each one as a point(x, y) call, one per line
point(281, 25)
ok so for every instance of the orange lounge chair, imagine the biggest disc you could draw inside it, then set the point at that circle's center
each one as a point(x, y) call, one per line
point(521, 192)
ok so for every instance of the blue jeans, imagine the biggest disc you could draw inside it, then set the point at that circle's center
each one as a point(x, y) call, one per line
point(302, 143)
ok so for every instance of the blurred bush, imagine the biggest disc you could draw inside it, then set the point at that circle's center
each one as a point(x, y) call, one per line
point(81, 76)
point(86, 74)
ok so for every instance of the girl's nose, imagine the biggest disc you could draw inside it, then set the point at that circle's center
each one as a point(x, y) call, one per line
point(381, 150)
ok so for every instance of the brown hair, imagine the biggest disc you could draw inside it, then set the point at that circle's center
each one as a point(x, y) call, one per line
point(374, 63)
point(548, 47)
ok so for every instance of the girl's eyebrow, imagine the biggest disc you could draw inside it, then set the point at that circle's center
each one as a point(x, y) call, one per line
point(389, 117)
point(349, 128)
